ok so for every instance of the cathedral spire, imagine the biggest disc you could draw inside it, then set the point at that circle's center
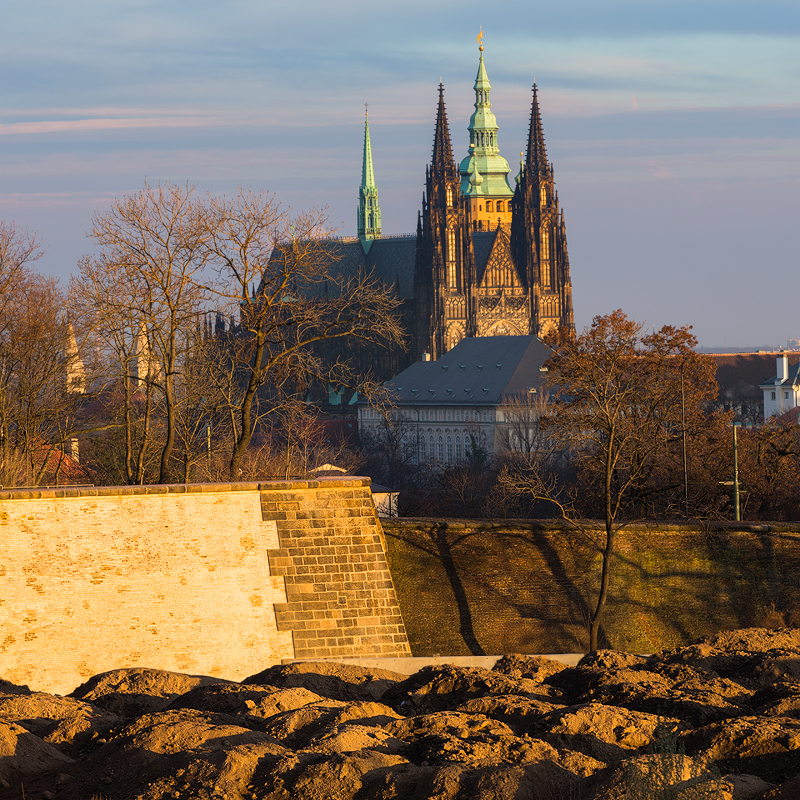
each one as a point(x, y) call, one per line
point(369, 210)
point(442, 150)
point(484, 172)
point(537, 155)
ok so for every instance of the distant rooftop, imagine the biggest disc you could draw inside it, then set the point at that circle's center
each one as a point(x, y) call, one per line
point(477, 371)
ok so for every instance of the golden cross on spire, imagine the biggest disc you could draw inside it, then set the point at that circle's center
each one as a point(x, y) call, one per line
point(480, 40)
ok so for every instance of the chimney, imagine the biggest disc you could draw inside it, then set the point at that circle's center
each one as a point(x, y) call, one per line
point(426, 357)
point(783, 368)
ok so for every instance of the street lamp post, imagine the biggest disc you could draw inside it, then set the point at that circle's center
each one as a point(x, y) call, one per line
point(737, 515)
point(683, 436)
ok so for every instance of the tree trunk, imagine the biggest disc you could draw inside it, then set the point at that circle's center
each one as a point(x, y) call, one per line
point(242, 441)
point(145, 436)
point(608, 551)
point(596, 618)
point(128, 420)
point(169, 442)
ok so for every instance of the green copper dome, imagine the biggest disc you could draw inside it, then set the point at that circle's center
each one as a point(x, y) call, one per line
point(484, 172)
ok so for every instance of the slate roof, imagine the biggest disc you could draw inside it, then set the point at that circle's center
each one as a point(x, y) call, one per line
point(740, 375)
point(793, 375)
point(477, 371)
point(482, 243)
point(391, 258)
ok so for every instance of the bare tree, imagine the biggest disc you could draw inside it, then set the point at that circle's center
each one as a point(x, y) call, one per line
point(41, 383)
point(291, 298)
point(624, 397)
point(152, 243)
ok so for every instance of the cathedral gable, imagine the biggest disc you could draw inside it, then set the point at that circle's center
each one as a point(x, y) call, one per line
point(499, 270)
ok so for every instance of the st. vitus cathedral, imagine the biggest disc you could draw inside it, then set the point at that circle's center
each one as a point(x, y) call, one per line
point(486, 260)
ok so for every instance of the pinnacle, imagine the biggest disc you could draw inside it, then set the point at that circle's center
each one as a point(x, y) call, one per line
point(537, 154)
point(442, 149)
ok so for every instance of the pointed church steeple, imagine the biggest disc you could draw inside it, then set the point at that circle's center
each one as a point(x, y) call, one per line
point(538, 236)
point(537, 154)
point(369, 210)
point(442, 159)
point(444, 266)
point(484, 172)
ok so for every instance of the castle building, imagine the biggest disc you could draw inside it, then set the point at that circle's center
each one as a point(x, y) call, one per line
point(486, 260)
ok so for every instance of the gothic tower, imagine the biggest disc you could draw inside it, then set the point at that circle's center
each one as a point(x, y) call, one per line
point(444, 270)
point(484, 172)
point(369, 210)
point(538, 236)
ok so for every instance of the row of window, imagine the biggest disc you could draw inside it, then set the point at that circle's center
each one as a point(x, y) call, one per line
point(445, 449)
point(436, 415)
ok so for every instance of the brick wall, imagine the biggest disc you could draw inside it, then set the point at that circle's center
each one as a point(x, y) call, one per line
point(517, 586)
point(340, 596)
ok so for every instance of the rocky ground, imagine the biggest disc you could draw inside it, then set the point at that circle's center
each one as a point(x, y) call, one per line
point(717, 719)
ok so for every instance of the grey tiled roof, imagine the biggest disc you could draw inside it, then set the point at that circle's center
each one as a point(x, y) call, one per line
point(477, 371)
point(390, 258)
point(792, 379)
point(740, 375)
point(482, 243)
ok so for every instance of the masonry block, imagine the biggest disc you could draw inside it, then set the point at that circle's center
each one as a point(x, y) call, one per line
point(340, 556)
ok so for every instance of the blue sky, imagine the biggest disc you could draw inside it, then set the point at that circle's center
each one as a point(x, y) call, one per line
point(673, 127)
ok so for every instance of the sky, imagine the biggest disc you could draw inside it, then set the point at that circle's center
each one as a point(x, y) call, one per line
point(673, 127)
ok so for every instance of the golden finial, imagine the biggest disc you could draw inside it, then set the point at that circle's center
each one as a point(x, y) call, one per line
point(480, 40)
point(366, 110)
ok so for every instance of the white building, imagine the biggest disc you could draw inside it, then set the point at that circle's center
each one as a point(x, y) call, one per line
point(782, 393)
point(443, 410)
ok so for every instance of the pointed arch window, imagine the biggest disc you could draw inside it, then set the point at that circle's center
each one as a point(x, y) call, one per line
point(451, 258)
point(545, 267)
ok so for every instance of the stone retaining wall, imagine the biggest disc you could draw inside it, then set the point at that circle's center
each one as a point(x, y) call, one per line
point(475, 587)
point(179, 578)
point(340, 596)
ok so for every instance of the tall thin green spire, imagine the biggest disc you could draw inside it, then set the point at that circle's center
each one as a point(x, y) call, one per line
point(369, 210)
point(484, 153)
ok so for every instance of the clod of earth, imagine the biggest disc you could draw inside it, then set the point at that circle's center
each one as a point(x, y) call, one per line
point(717, 719)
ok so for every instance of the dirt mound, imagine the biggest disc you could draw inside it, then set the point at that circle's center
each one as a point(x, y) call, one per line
point(135, 691)
point(444, 688)
point(330, 679)
point(535, 668)
point(22, 754)
point(262, 702)
point(754, 640)
point(716, 719)
point(67, 723)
